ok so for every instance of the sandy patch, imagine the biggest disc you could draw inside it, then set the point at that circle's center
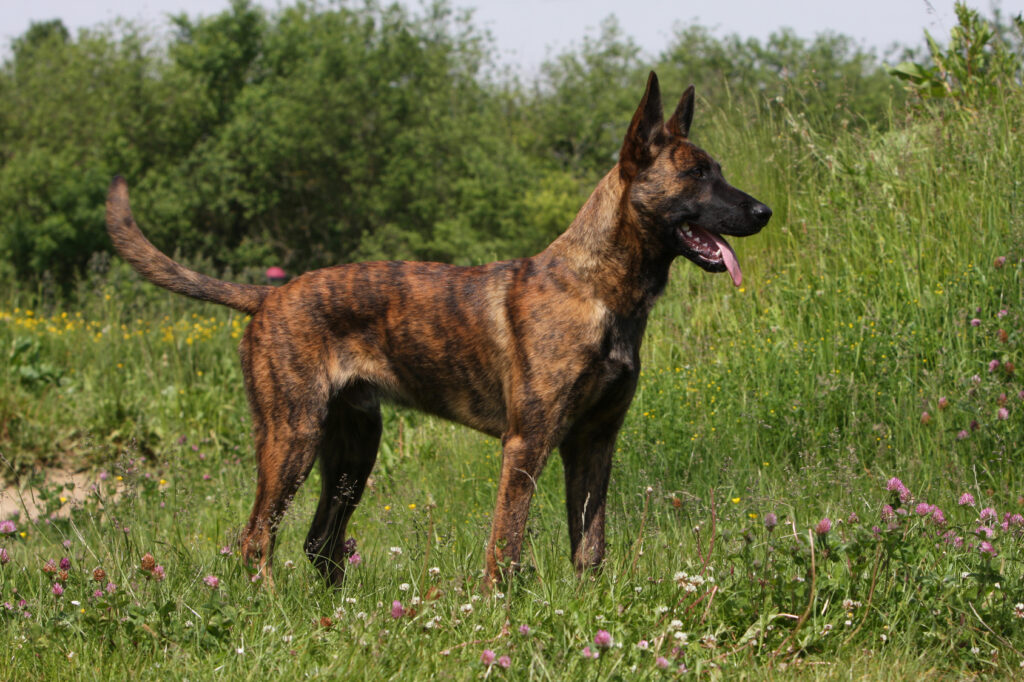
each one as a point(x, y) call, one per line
point(23, 500)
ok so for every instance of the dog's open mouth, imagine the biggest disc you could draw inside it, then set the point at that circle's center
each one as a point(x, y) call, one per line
point(710, 251)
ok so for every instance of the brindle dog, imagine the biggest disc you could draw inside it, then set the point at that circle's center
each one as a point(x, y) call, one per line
point(543, 352)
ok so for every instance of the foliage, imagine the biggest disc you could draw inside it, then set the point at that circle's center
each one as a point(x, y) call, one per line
point(324, 133)
point(981, 59)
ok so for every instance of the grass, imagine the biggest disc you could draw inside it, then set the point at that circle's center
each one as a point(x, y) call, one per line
point(878, 335)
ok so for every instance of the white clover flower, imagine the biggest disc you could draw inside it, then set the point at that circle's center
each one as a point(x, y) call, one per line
point(466, 608)
point(396, 551)
point(662, 609)
point(434, 571)
point(269, 628)
point(404, 587)
point(559, 612)
point(1018, 610)
point(675, 624)
point(415, 601)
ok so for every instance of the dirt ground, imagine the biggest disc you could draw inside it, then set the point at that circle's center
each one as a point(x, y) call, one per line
point(21, 500)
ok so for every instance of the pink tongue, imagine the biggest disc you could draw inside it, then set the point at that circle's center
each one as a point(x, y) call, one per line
point(729, 256)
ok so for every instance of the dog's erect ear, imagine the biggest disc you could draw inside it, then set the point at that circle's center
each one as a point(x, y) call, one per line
point(644, 131)
point(679, 124)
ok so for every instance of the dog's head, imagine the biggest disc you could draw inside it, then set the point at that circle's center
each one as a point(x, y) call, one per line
point(677, 190)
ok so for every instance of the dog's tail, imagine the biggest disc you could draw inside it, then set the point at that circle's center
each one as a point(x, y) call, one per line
point(156, 267)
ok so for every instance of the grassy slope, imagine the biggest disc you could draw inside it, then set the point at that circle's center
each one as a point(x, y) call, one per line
point(800, 395)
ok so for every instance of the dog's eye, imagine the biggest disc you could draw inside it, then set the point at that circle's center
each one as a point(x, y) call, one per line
point(696, 173)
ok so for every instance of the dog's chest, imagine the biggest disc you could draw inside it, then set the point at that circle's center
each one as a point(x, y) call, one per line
point(615, 363)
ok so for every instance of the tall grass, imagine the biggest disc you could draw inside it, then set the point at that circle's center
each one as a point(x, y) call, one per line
point(877, 335)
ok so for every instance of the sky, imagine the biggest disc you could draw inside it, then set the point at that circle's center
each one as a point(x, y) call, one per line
point(527, 31)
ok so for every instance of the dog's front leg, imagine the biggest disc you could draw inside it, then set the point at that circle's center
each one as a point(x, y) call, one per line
point(587, 460)
point(522, 460)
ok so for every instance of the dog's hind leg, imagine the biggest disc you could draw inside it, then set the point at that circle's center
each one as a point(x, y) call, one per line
point(285, 455)
point(347, 454)
point(288, 412)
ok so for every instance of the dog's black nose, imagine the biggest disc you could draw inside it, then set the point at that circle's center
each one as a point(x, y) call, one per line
point(761, 213)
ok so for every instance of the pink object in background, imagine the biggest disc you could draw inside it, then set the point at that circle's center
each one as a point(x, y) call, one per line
point(276, 274)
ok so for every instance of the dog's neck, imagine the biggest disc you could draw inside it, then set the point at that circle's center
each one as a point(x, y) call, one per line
point(604, 246)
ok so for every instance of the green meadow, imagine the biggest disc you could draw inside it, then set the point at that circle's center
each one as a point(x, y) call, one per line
point(820, 476)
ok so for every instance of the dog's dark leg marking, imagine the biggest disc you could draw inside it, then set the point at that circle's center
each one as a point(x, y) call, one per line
point(347, 454)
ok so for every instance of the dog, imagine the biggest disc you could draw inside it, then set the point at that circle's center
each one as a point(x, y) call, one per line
point(542, 352)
